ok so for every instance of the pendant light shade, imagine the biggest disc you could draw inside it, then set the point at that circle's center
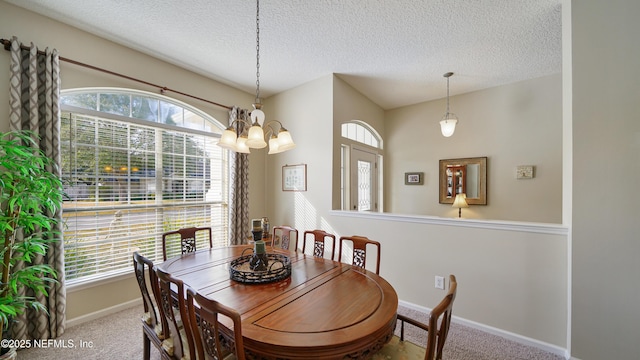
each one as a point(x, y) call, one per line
point(241, 140)
point(448, 124)
point(449, 120)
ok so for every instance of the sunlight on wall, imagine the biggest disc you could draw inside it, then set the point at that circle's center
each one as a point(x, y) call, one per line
point(307, 218)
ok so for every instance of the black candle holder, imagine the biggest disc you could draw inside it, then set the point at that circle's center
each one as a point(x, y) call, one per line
point(259, 260)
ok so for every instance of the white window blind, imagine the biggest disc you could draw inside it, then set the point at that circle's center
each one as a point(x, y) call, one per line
point(129, 182)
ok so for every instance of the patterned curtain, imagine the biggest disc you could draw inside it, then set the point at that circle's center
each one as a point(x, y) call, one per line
point(239, 183)
point(34, 105)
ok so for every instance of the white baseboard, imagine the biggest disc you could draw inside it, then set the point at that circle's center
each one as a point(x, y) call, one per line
point(104, 312)
point(554, 349)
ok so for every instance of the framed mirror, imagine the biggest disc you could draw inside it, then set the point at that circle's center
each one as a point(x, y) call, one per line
point(466, 175)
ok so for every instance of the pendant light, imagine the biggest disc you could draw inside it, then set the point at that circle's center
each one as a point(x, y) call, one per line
point(255, 138)
point(449, 121)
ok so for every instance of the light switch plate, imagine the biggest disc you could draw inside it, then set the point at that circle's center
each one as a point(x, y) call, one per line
point(524, 172)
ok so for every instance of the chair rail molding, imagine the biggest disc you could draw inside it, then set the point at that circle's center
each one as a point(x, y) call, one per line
point(528, 227)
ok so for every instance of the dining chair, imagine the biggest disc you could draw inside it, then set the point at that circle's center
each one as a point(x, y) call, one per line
point(320, 239)
point(178, 338)
point(284, 233)
point(188, 239)
point(437, 331)
point(212, 339)
point(359, 246)
point(151, 324)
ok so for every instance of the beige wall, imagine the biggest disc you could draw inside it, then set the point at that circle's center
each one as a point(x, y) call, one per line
point(516, 124)
point(606, 158)
point(306, 112)
point(511, 278)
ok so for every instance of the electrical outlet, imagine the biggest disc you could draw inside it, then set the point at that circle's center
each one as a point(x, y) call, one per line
point(440, 282)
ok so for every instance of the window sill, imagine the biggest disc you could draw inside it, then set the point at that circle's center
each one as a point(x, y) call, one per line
point(98, 281)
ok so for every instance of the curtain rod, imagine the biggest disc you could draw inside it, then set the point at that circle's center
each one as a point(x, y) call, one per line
point(163, 89)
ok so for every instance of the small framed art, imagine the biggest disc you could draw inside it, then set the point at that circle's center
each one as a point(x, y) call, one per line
point(294, 177)
point(414, 178)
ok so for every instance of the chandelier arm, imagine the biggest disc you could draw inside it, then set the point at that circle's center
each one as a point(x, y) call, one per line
point(268, 123)
point(243, 121)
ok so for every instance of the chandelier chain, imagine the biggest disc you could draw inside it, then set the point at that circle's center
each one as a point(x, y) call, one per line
point(257, 50)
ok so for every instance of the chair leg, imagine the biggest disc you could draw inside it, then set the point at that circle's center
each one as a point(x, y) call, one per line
point(147, 346)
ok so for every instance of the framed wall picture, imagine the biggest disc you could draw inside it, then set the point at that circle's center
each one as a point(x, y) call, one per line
point(414, 178)
point(294, 177)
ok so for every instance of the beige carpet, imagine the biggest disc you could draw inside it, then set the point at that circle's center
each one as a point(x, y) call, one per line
point(119, 336)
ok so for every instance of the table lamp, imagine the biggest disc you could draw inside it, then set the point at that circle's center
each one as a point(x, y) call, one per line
point(460, 202)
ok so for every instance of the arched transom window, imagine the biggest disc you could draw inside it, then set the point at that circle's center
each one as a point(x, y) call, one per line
point(362, 133)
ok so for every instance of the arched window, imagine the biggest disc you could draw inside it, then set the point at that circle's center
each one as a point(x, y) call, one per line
point(135, 165)
point(361, 167)
point(361, 132)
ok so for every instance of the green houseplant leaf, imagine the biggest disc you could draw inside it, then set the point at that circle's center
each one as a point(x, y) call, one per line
point(29, 195)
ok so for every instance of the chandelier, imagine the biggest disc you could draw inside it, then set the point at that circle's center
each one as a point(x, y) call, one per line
point(239, 139)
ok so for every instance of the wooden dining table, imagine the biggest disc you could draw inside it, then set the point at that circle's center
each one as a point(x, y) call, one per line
point(324, 310)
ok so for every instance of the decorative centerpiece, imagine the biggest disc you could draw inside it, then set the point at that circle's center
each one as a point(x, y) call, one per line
point(259, 267)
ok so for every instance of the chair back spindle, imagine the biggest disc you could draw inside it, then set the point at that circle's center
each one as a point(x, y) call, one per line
point(188, 240)
point(178, 340)
point(212, 339)
point(320, 241)
point(360, 244)
point(287, 235)
point(151, 322)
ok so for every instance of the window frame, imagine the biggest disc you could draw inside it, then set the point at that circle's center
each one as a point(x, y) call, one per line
point(347, 168)
point(209, 123)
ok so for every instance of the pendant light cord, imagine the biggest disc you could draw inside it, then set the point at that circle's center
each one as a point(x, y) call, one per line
point(447, 95)
point(448, 75)
point(257, 51)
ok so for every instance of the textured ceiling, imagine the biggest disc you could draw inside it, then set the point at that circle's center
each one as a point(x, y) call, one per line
point(393, 51)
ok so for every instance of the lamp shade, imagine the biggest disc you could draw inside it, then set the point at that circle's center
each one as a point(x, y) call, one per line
point(274, 146)
point(241, 145)
point(460, 201)
point(284, 140)
point(256, 137)
point(228, 139)
point(448, 124)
